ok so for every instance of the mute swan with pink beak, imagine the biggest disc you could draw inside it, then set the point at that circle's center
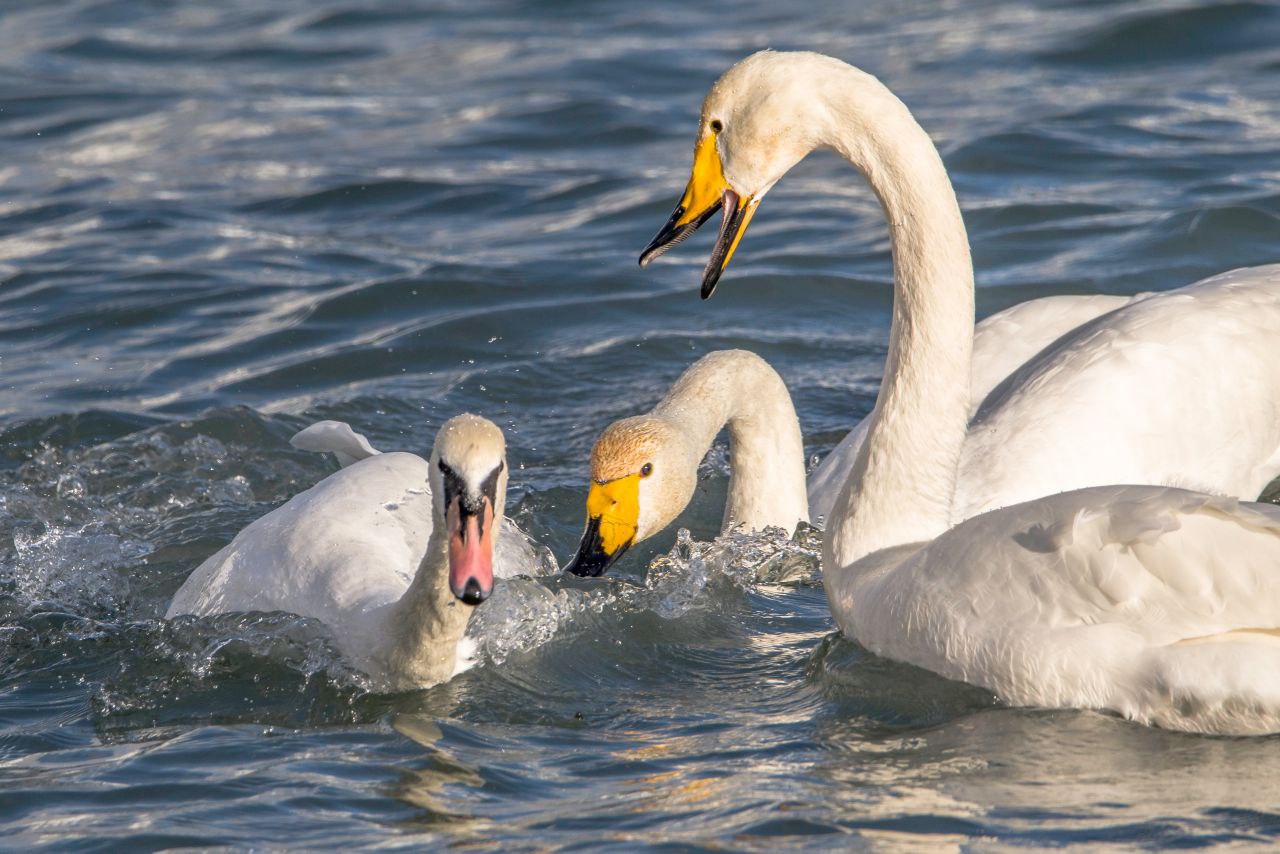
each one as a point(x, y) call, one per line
point(391, 553)
point(1153, 602)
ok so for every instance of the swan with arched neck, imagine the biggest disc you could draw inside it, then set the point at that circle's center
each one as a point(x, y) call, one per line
point(964, 542)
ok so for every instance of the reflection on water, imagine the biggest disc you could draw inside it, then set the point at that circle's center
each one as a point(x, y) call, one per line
point(438, 783)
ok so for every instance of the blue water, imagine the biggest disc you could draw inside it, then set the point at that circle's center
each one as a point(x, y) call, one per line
point(219, 222)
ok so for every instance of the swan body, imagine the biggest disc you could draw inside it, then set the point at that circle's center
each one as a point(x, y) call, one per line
point(1153, 602)
point(1094, 346)
point(1002, 343)
point(367, 552)
point(1160, 604)
point(644, 469)
point(342, 552)
point(1163, 390)
point(1170, 388)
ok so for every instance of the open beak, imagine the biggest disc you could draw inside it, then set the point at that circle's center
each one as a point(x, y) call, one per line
point(707, 191)
point(613, 512)
point(470, 550)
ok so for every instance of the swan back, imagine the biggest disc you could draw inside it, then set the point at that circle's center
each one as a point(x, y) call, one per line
point(338, 552)
point(1154, 602)
point(1111, 401)
point(1001, 343)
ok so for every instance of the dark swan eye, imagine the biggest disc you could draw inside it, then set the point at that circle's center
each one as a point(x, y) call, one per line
point(646, 469)
point(717, 125)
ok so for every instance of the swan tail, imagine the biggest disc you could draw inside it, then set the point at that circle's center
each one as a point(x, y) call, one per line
point(337, 438)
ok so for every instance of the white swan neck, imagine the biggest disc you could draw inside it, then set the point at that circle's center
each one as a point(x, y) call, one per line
point(424, 626)
point(902, 484)
point(738, 389)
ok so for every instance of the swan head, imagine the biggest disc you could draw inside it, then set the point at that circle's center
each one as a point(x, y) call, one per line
point(759, 119)
point(469, 489)
point(642, 476)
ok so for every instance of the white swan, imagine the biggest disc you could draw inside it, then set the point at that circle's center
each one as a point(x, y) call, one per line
point(1179, 387)
point(1157, 603)
point(644, 469)
point(390, 553)
point(514, 553)
point(1002, 343)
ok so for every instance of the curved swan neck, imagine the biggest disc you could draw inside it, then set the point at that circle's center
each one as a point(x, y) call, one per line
point(903, 481)
point(426, 623)
point(738, 389)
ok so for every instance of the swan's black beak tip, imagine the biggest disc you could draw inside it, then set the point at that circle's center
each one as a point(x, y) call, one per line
point(587, 566)
point(592, 560)
point(473, 593)
point(709, 282)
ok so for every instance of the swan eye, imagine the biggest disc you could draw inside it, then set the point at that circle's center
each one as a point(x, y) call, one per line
point(717, 125)
point(646, 469)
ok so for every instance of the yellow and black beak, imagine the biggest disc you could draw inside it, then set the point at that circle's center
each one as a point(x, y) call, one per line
point(707, 191)
point(613, 513)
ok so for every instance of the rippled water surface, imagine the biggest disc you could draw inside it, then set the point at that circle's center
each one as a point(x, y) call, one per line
point(221, 221)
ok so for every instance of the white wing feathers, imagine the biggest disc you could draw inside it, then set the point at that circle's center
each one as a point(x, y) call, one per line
point(1159, 603)
point(1001, 344)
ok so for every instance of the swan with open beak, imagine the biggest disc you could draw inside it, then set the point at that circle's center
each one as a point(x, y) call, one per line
point(707, 191)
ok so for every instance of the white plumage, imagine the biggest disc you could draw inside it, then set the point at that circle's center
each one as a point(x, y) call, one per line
point(951, 543)
point(344, 551)
point(1168, 388)
point(1002, 343)
point(1160, 604)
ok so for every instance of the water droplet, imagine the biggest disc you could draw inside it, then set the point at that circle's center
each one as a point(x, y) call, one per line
point(70, 486)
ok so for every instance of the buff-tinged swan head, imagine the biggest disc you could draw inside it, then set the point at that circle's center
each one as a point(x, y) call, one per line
point(759, 119)
point(469, 490)
point(642, 477)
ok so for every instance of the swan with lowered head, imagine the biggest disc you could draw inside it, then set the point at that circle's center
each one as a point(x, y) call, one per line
point(1157, 603)
point(390, 553)
point(1178, 387)
point(644, 469)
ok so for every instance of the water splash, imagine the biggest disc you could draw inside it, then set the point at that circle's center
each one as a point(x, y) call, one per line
point(94, 538)
point(86, 529)
point(525, 613)
point(677, 580)
point(516, 548)
point(71, 568)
